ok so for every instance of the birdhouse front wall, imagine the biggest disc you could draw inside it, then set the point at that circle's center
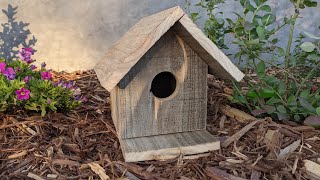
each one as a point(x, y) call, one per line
point(165, 92)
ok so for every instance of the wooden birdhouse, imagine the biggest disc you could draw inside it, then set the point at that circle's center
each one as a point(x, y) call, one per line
point(157, 78)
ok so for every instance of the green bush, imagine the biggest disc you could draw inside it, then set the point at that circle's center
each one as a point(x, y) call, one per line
point(288, 95)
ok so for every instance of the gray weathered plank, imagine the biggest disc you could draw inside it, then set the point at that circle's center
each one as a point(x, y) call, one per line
point(168, 146)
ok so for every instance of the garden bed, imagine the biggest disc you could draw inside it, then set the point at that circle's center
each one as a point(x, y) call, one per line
point(83, 143)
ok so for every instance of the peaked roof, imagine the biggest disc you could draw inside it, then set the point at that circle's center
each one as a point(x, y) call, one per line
point(128, 50)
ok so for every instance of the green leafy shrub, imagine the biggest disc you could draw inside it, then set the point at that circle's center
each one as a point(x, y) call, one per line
point(22, 86)
point(289, 94)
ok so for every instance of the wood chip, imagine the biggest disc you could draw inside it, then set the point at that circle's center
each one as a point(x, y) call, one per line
point(237, 114)
point(65, 162)
point(218, 174)
point(255, 175)
point(239, 134)
point(18, 154)
point(285, 152)
point(53, 176)
point(222, 120)
point(34, 176)
point(273, 140)
point(129, 174)
point(312, 168)
point(96, 168)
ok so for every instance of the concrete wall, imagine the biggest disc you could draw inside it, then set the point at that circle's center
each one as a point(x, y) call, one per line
point(74, 34)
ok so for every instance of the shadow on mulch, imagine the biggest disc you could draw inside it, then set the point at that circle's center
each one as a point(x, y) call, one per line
point(67, 146)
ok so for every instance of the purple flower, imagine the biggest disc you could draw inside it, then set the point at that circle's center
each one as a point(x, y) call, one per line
point(43, 65)
point(32, 67)
point(46, 75)
point(22, 94)
point(25, 54)
point(26, 79)
point(49, 101)
point(9, 73)
point(69, 85)
point(2, 66)
point(30, 50)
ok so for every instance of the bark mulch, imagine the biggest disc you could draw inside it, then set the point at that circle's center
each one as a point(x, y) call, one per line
point(83, 144)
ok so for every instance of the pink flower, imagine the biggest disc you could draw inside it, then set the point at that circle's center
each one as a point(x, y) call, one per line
point(9, 72)
point(22, 94)
point(46, 75)
point(2, 66)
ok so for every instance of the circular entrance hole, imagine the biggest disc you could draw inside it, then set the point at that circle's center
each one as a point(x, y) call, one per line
point(163, 85)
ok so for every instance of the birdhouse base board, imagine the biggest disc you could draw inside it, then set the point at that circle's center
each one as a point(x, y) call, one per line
point(167, 146)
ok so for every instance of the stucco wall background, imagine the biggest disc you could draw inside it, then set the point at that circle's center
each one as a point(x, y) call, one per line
point(75, 34)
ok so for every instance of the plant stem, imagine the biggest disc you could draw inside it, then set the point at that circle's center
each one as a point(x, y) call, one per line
point(289, 46)
point(294, 18)
point(306, 78)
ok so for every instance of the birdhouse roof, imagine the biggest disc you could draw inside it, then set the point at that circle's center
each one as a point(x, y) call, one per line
point(128, 50)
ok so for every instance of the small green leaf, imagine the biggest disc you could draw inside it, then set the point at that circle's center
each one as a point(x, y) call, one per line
point(248, 26)
point(258, 2)
point(253, 41)
point(194, 16)
point(310, 3)
point(268, 19)
point(274, 41)
point(273, 100)
point(282, 88)
point(292, 101)
point(311, 35)
point(296, 117)
point(239, 30)
point(305, 94)
point(314, 57)
point(305, 104)
point(267, 93)
point(318, 111)
point(261, 69)
point(250, 7)
point(266, 8)
point(281, 109)
point(281, 51)
point(260, 31)
point(230, 22)
point(308, 46)
point(252, 94)
point(237, 41)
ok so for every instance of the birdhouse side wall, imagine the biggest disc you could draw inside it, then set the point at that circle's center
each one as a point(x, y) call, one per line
point(137, 112)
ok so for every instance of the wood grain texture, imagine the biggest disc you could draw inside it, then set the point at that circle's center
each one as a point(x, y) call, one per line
point(219, 64)
point(122, 56)
point(137, 112)
point(168, 146)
